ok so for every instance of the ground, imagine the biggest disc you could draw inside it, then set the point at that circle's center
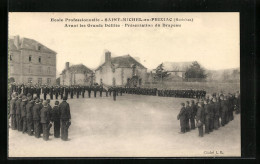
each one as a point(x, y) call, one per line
point(131, 126)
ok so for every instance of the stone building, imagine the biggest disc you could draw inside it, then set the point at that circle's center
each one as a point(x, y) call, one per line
point(76, 75)
point(31, 62)
point(120, 71)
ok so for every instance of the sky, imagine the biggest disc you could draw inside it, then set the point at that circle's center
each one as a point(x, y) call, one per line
point(212, 39)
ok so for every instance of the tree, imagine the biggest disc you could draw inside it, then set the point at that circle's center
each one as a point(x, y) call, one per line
point(195, 71)
point(160, 73)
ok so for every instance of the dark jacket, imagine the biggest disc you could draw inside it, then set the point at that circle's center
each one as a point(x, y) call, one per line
point(64, 110)
point(216, 109)
point(55, 113)
point(36, 111)
point(23, 108)
point(200, 114)
point(45, 115)
point(18, 106)
point(29, 107)
point(182, 117)
point(13, 106)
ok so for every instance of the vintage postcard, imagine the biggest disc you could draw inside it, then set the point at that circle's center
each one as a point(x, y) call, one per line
point(139, 84)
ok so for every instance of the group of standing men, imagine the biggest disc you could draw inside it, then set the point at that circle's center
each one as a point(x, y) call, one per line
point(211, 113)
point(35, 116)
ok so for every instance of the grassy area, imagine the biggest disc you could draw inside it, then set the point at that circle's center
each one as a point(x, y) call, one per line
point(209, 87)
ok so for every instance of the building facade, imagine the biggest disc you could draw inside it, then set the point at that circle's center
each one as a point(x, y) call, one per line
point(120, 71)
point(76, 75)
point(31, 62)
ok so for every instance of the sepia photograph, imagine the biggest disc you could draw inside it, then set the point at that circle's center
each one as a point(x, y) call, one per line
point(124, 84)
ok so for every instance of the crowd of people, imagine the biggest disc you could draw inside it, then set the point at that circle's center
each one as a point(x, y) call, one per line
point(209, 113)
point(34, 116)
point(183, 93)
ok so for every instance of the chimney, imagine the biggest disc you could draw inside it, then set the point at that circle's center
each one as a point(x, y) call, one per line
point(17, 41)
point(107, 56)
point(67, 65)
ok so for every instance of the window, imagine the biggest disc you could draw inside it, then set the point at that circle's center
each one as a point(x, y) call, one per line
point(100, 81)
point(39, 80)
point(29, 80)
point(113, 70)
point(30, 58)
point(40, 59)
point(39, 48)
point(48, 80)
point(101, 70)
point(11, 58)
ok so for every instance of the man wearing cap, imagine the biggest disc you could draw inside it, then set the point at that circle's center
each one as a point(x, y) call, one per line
point(36, 118)
point(50, 111)
point(211, 115)
point(188, 115)
point(19, 124)
point(13, 111)
point(29, 115)
point(23, 113)
point(64, 118)
point(182, 117)
point(45, 119)
point(216, 113)
point(55, 117)
point(200, 118)
point(207, 116)
point(193, 114)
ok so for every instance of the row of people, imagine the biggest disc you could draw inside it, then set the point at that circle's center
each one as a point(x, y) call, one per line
point(211, 113)
point(184, 93)
point(35, 117)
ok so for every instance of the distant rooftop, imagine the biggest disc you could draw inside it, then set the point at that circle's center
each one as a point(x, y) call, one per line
point(125, 61)
point(27, 43)
point(79, 68)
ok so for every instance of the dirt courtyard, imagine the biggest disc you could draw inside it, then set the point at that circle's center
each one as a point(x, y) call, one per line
point(132, 126)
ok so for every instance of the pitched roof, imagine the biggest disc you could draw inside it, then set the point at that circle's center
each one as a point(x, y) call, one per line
point(125, 61)
point(176, 66)
point(79, 68)
point(31, 44)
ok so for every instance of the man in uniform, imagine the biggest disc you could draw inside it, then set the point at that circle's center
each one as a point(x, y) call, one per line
point(61, 92)
point(36, 118)
point(56, 92)
point(78, 91)
point(23, 113)
point(95, 91)
point(216, 113)
point(182, 117)
point(19, 123)
point(83, 88)
point(51, 92)
point(211, 115)
point(29, 115)
point(188, 116)
point(65, 118)
point(89, 91)
point(193, 114)
point(38, 91)
point(55, 117)
point(13, 111)
point(45, 91)
point(207, 116)
point(50, 111)
point(114, 94)
point(45, 119)
point(200, 119)
point(71, 92)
